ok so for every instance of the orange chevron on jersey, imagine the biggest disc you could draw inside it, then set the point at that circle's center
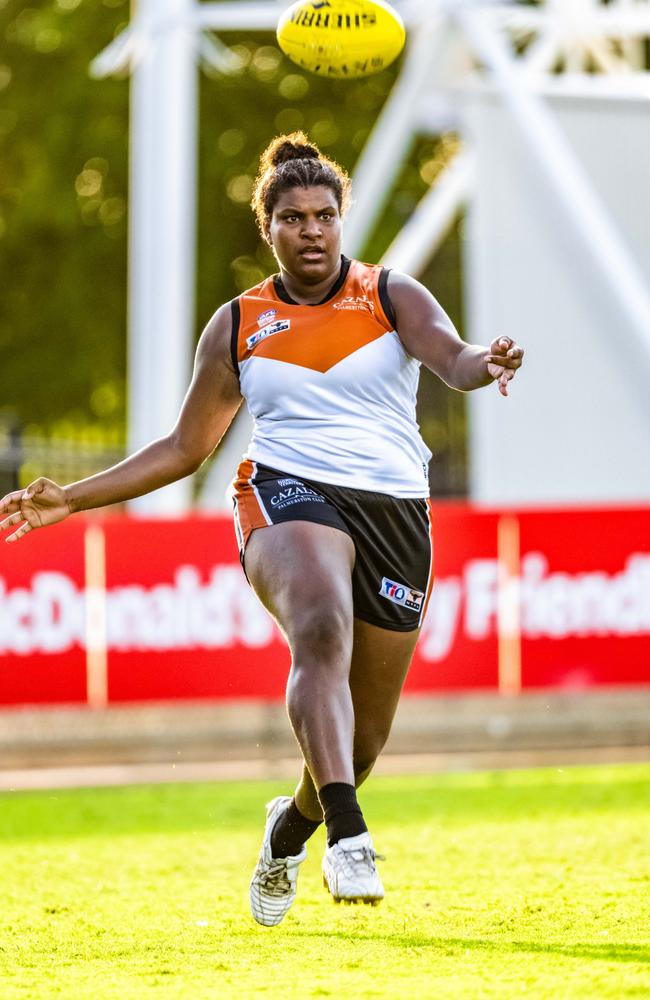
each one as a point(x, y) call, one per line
point(331, 389)
point(316, 337)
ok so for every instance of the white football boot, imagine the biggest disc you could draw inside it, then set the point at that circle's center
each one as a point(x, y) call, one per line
point(350, 873)
point(273, 885)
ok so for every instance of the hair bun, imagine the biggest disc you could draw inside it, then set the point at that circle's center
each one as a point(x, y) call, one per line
point(295, 146)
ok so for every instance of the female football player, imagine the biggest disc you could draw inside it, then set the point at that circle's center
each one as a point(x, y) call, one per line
point(331, 498)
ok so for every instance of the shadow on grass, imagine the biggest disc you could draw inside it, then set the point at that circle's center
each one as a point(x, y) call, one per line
point(610, 952)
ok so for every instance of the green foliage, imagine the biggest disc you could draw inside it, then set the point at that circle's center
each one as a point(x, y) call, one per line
point(63, 188)
point(498, 885)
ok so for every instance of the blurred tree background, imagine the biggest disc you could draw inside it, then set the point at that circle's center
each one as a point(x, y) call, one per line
point(63, 222)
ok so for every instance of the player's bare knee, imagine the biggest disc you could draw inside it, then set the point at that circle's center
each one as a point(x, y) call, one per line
point(321, 635)
point(313, 678)
point(321, 650)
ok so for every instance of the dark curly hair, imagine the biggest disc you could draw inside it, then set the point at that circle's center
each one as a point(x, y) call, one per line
point(292, 161)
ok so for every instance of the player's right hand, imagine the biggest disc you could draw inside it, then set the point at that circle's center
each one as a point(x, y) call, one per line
point(42, 503)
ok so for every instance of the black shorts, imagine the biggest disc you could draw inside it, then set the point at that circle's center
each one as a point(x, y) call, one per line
point(393, 570)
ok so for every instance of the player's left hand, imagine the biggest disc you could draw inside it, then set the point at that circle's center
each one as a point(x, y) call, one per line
point(504, 359)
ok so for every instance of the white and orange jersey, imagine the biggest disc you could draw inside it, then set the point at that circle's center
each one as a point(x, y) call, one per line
point(330, 387)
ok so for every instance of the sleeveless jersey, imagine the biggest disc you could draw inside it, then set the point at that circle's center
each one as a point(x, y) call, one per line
point(330, 387)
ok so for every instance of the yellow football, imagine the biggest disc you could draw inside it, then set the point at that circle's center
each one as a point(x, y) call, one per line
point(341, 38)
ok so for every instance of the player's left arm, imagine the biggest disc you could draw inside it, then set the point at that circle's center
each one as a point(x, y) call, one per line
point(428, 334)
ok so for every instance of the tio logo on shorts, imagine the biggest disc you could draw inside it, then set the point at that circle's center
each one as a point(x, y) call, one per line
point(399, 593)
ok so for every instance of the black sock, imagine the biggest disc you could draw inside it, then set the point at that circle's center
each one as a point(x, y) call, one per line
point(343, 817)
point(291, 831)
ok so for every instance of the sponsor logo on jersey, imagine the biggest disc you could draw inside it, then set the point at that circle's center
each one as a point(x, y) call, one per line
point(359, 303)
point(400, 594)
point(267, 331)
point(267, 317)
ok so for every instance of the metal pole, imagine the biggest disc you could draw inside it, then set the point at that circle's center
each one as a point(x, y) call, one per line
point(508, 604)
point(95, 607)
point(390, 140)
point(240, 16)
point(602, 245)
point(633, 48)
point(162, 230)
point(418, 241)
point(596, 21)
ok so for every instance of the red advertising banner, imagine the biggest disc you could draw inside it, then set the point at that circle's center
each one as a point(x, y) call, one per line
point(585, 597)
point(122, 609)
point(42, 658)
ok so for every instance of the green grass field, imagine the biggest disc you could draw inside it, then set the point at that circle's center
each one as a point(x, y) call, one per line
point(498, 885)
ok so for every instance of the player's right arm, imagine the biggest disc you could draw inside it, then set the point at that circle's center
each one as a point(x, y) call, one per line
point(208, 409)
